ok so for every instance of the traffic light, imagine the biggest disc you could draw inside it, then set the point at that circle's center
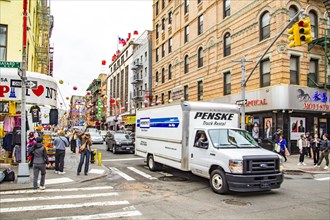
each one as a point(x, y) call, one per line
point(294, 36)
point(305, 30)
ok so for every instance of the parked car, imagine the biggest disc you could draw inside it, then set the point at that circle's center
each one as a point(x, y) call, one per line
point(103, 133)
point(92, 130)
point(119, 142)
point(96, 138)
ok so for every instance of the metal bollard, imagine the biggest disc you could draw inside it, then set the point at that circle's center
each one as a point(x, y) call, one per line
point(99, 158)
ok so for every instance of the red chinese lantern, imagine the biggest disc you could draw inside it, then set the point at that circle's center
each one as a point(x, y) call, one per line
point(67, 98)
point(88, 93)
point(112, 101)
point(75, 88)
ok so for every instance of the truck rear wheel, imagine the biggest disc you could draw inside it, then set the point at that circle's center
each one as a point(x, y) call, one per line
point(218, 182)
point(153, 166)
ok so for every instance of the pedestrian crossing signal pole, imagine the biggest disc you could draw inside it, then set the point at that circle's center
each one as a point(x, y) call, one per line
point(23, 175)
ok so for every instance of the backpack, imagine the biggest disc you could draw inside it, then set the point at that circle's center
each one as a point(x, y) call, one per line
point(9, 175)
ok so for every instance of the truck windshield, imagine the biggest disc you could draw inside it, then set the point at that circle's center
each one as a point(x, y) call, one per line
point(231, 138)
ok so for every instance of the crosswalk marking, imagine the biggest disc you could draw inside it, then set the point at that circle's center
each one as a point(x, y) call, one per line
point(98, 216)
point(62, 206)
point(322, 179)
point(124, 175)
point(58, 180)
point(142, 173)
point(58, 197)
point(57, 190)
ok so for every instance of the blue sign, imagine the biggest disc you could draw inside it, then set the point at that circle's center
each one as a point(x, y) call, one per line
point(172, 122)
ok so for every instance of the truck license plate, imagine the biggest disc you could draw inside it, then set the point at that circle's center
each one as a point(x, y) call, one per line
point(265, 184)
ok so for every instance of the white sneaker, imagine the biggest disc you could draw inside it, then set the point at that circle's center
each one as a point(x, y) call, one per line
point(326, 167)
point(61, 172)
point(318, 166)
point(56, 172)
point(42, 187)
point(315, 165)
point(303, 164)
point(299, 164)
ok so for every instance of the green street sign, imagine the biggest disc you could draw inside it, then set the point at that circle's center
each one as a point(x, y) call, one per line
point(4, 64)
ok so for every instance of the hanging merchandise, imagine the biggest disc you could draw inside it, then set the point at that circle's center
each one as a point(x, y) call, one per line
point(45, 116)
point(34, 110)
point(9, 124)
point(53, 117)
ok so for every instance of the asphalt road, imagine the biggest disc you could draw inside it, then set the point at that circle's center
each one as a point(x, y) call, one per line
point(131, 191)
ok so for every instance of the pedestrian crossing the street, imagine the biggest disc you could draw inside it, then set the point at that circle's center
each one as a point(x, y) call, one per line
point(66, 203)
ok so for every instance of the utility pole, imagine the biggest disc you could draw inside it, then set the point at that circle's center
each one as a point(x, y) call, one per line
point(23, 175)
point(243, 61)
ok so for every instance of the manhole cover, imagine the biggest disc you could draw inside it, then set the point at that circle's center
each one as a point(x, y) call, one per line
point(132, 186)
point(173, 178)
point(235, 202)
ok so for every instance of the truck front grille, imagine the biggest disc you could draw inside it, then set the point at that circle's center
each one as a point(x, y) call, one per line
point(261, 164)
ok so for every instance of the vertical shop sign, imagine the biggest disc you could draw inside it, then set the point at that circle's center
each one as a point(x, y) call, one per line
point(99, 109)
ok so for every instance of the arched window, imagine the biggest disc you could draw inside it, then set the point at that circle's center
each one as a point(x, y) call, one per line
point(264, 26)
point(156, 77)
point(186, 64)
point(200, 57)
point(227, 45)
point(314, 24)
point(293, 10)
point(170, 72)
point(163, 75)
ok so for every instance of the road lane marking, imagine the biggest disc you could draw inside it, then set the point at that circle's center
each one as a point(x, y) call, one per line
point(57, 190)
point(63, 206)
point(58, 180)
point(97, 216)
point(322, 179)
point(142, 173)
point(58, 197)
point(123, 159)
point(124, 175)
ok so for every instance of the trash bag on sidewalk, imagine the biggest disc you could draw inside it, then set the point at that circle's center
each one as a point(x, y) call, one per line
point(9, 175)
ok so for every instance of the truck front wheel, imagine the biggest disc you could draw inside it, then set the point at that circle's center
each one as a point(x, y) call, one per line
point(218, 182)
point(153, 166)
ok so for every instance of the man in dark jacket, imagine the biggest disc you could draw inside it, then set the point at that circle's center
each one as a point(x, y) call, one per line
point(40, 159)
point(325, 148)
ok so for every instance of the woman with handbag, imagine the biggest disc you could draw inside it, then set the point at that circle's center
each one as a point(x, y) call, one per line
point(85, 151)
point(282, 144)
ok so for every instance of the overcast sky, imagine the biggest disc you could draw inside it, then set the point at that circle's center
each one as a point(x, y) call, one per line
point(86, 32)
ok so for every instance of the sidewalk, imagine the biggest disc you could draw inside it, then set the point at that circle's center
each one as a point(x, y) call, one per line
point(292, 165)
point(71, 162)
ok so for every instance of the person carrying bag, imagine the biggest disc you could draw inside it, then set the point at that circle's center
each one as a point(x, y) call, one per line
point(85, 151)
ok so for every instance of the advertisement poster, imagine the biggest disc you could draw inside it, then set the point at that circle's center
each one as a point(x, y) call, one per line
point(268, 127)
point(255, 129)
point(297, 127)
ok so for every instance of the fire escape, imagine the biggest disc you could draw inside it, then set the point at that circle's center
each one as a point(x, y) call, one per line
point(324, 42)
point(42, 36)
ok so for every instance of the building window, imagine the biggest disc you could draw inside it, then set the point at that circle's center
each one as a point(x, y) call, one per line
point(170, 72)
point(3, 42)
point(186, 33)
point(157, 54)
point(163, 101)
point(200, 24)
point(156, 78)
point(163, 50)
point(185, 93)
point(199, 1)
point(145, 71)
point(226, 8)
point(265, 26)
point(227, 45)
point(186, 64)
point(314, 24)
point(163, 4)
point(227, 83)
point(293, 10)
point(145, 56)
point(200, 90)
point(170, 17)
point(169, 94)
point(170, 45)
point(157, 31)
point(265, 73)
point(157, 8)
point(294, 70)
point(163, 25)
point(200, 57)
point(186, 6)
point(156, 99)
point(312, 78)
point(163, 75)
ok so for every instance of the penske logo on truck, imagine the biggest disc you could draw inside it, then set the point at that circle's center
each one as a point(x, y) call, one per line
point(214, 116)
point(171, 122)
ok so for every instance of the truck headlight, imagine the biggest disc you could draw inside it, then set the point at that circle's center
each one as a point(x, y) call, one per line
point(118, 143)
point(281, 165)
point(236, 166)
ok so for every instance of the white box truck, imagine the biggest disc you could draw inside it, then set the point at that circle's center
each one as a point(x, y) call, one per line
point(205, 138)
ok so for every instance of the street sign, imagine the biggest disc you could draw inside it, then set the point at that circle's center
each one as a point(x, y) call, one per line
point(241, 102)
point(4, 64)
point(18, 84)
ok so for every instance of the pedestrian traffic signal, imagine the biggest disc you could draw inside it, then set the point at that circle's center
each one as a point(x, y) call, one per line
point(294, 36)
point(305, 30)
